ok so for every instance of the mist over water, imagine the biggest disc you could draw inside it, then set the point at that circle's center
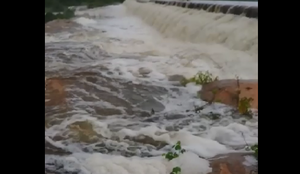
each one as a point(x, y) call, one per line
point(114, 68)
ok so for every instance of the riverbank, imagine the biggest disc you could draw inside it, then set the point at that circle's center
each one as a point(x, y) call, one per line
point(59, 9)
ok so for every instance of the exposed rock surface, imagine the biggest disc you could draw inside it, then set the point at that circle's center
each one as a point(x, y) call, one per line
point(55, 93)
point(176, 77)
point(59, 25)
point(227, 91)
point(233, 163)
point(144, 71)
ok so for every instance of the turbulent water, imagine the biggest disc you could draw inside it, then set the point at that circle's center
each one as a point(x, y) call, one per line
point(122, 63)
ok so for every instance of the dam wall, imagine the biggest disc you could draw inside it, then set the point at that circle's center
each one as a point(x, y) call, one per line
point(247, 9)
point(194, 26)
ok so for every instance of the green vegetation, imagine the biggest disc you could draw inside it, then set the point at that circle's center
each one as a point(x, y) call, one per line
point(245, 105)
point(255, 149)
point(52, 7)
point(176, 151)
point(66, 14)
point(200, 78)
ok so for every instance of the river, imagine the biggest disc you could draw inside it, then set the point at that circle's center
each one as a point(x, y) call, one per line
point(113, 103)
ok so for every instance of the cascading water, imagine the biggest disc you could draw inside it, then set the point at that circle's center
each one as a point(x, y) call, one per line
point(104, 76)
point(199, 26)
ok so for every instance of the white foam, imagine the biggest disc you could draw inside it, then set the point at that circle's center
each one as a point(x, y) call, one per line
point(234, 134)
point(250, 160)
point(85, 21)
point(110, 164)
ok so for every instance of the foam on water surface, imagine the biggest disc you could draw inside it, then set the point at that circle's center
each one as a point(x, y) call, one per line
point(114, 44)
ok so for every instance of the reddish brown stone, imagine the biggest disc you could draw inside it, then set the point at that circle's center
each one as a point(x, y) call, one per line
point(55, 93)
point(230, 164)
point(59, 25)
point(230, 91)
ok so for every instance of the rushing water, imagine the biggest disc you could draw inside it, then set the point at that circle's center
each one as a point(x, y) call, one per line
point(124, 61)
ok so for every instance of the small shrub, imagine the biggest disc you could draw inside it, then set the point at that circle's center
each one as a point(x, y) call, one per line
point(200, 78)
point(67, 14)
point(245, 105)
point(255, 149)
point(49, 17)
point(58, 7)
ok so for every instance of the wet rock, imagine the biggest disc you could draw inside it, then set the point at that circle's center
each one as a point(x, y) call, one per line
point(233, 163)
point(152, 119)
point(147, 140)
point(88, 98)
point(227, 91)
point(150, 104)
point(144, 71)
point(60, 25)
point(82, 131)
point(52, 150)
point(175, 116)
point(110, 98)
point(55, 93)
point(92, 79)
point(176, 78)
point(107, 111)
point(143, 114)
point(85, 73)
point(132, 97)
point(143, 1)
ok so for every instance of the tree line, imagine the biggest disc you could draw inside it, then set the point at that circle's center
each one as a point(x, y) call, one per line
point(58, 9)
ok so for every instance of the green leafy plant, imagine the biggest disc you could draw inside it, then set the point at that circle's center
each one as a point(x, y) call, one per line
point(176, 151)
point(200, 78)
point(253, 148)
point(66, 14)
point(52, 7)
point(245, 105)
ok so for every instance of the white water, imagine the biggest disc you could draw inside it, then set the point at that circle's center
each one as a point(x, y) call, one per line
point(241, 3)
point(168, 41)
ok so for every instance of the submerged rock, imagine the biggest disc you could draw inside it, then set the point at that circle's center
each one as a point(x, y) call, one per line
point(144, 71)
point(147, 140)
point(150, 104)
point(52, 150)
point(176, 77)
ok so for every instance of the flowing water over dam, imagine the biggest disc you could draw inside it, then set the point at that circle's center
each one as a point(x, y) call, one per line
point(106, 75)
